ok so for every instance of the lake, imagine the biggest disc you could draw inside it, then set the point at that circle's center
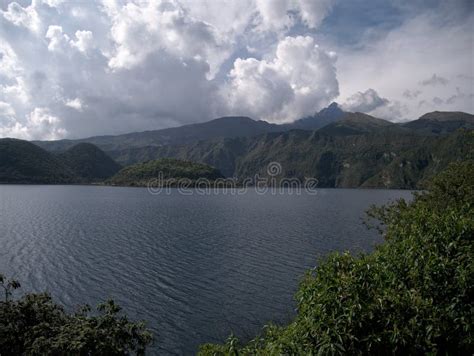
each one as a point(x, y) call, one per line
point(195, 267)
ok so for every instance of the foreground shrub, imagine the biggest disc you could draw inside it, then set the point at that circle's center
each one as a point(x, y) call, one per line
point(412, 295)
point(35, 325)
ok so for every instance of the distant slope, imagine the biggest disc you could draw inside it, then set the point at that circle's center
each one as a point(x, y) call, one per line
point(89, 163)
point(222, 127)
point(24, 162)
point(163, 170)
point(322, 118)
point(331, 119)
point(439, 122)
point(358, 123)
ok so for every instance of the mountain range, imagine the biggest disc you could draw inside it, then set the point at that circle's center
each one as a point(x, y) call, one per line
point(434, 123)
point(381, 158)
point(340, 149)
point(224, 127)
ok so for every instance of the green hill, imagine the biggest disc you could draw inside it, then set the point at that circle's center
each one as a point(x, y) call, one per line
point(165, 170)
point(89, 163)
point(24, 162)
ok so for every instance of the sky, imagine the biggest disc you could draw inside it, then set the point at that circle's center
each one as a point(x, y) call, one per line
point(71, 69)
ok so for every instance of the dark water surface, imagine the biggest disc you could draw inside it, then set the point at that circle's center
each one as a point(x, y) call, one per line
point(195, 267)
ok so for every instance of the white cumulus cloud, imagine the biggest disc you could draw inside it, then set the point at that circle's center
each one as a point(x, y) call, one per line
point(140, 29)
point(22, 16)
point(58, 41)
point(406, 58)
point(84, 41)
point(77, 69)
point(298, 80)
point(370, 102)
point(75, 104)
point(365, 101)
point(40, 124)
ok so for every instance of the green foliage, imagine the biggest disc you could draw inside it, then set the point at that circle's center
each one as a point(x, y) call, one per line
point(166, 169)
point(35, 325)
point(412, 295)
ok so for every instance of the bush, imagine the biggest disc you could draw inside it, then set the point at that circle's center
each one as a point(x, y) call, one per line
point(412, 295)
point(35, 325)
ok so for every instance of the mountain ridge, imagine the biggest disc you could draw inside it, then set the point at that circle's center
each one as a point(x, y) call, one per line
point(441, 122)
point(239, 126)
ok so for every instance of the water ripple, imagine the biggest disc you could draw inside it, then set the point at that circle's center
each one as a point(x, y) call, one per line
point(195, 267)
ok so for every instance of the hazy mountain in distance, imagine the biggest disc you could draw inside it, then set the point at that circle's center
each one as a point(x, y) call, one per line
point(234, 126)
point(224, 127)
point(358, 123)
point(228, 150)
point(322, 118)
point(439, 122)
point(330, 118)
